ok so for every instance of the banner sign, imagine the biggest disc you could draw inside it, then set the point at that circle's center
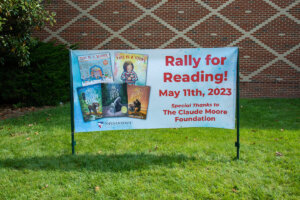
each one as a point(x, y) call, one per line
point(157, 88)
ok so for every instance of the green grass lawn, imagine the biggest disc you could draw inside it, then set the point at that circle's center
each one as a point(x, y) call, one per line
point(189, 163)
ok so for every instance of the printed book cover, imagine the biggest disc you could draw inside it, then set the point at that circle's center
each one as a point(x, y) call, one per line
point(90, 99)
point(130, 68)
point(114, 100)
point(138, 101)
point(95, 68)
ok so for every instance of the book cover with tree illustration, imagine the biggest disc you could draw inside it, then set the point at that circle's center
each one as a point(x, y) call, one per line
point(138, 101)
point(90, 99)
point(95, 68)
point(114, 100)
point(130, 68)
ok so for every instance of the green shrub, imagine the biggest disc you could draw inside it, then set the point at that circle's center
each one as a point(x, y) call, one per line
point(46, 81)
point(18, 19)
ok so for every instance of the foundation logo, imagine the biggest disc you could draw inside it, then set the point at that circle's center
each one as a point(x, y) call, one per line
point(100, 124)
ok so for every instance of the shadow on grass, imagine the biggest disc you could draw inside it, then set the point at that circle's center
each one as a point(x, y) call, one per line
point(105, 163)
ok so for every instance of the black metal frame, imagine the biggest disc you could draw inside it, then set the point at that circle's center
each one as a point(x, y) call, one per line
point(237, 143)
point(73, 142)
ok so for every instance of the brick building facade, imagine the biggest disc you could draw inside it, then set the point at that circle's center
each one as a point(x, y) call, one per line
point(266, 31)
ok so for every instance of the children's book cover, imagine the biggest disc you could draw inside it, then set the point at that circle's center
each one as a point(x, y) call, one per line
point(90, 99)
point(138, 101)
point(114, 100)
point(95, 68)
point(130, 68)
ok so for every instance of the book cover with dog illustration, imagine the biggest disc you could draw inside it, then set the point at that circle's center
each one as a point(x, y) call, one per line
point(90, 98)
point(130, 68)
point(95, 68)
point(114, 100)
point(138, 101)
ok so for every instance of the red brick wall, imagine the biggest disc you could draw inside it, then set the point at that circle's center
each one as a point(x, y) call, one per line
point(266, 31)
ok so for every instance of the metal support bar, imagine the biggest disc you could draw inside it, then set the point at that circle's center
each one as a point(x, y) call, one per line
point(73, 142)
point(237, 143)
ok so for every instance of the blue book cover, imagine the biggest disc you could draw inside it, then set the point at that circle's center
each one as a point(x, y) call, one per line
point(95, 68)
point(90, 98)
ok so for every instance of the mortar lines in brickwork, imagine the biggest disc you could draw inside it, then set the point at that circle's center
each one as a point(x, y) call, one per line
point(182, 34)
